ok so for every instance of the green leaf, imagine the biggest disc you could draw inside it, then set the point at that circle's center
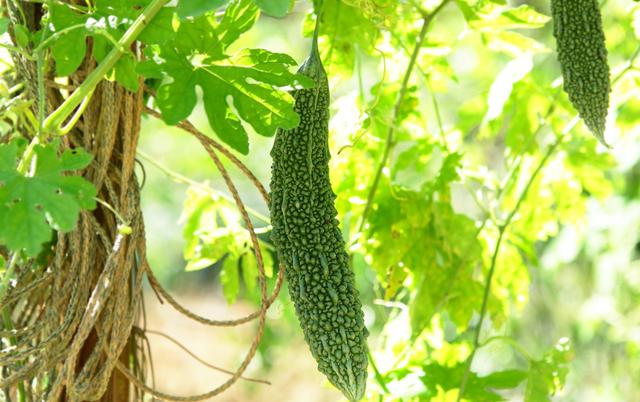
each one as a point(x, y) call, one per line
point(238, 18)
point(121, 7)
point(445, 278)
point(238, 90)
point(513, 43)
point(439, 248)
point(215, 237)
point(160, 29)
point(212, 230)
point(478, 389)
point(502, 86)
point(22, 35)
point(230, 280)
point(250, 83)
point(106, 24)
point(589, 164)
point(547, 376)
point(382, 108)
point(125, 73)
point(474, 9)
point(196, 8)
point(199, 37)
point(275, 8)
point(4, 25)
point(32, 206)
point(250, 273)
point(523, 17)
point(420, 166)
point(505, 379)
point(342, 29)
point(537, 389)
point(176, 100)
point(69, 49)
point(75, 159)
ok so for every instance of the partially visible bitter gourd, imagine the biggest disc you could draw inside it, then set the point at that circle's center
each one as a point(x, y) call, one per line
point(582, 53)
point(309, 242)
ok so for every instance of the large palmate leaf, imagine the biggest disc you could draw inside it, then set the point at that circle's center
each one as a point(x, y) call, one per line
point(247, 82)
point(236, 89)
point(50, 199)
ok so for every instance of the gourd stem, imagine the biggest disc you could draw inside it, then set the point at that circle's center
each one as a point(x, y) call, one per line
point(314, 41)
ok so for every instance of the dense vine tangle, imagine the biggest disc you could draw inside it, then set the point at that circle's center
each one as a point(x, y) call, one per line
point(309, 242)
point(582, 53)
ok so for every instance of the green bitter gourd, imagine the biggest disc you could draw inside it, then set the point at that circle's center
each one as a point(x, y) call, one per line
point(309, 242)
point(582, 53)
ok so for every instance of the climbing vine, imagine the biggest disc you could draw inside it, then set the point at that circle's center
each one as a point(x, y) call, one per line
point(457, 160)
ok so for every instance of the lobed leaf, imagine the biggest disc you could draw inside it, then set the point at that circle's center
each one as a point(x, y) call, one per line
point(50, 199)
point(237, 90)
point(196, 8)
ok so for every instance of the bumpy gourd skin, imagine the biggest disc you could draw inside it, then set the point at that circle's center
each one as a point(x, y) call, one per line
point(577, 26)
point(309, 242)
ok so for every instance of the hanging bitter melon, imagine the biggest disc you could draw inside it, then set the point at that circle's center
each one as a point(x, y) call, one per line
point(309, 242)
point(582, 53)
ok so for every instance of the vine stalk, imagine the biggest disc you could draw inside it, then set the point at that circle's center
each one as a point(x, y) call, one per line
point(390, 141)
point(180, 178)
point(502, 228)
point(494, 257)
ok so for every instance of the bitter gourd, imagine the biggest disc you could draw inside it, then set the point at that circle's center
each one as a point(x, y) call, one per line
point(582, 53)
point(309, 242)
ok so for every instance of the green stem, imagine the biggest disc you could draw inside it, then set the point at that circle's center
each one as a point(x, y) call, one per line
point(494, 258)
point(436, 109)
point(13, 341)
point(43, 44)
point(390, 142)
point(64, 130)
point(6, 316)
point(121, 220)
point(506, 182)
point(18, 50)
point(185, 180)
point(16, 88)
point(25, 161)
point(8, 273)
point(57, 118)
point(377, 374)
point(503, 227)
point(314, 40)
point(628, 67)
point(42, 100)
point(516, 166)
point(512, 342)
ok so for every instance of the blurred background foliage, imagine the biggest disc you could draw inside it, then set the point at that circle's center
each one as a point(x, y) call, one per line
point(485, 153)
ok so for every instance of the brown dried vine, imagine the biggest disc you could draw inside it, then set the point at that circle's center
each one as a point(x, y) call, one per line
point(70, 323)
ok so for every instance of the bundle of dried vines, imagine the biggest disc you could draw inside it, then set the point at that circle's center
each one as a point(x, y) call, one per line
point(67, 324)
